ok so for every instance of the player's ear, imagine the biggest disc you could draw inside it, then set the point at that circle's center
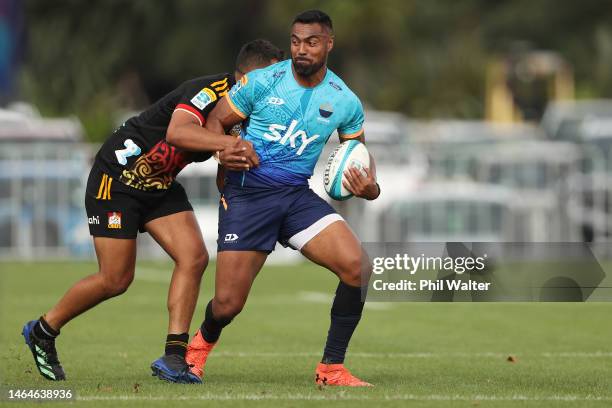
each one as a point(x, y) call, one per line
point(330, 43)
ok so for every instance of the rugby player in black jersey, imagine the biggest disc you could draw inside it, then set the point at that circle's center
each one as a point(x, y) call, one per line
point(132, 188)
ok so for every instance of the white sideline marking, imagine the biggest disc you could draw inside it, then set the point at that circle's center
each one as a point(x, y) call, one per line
point(315, 297)
point(327, 298)
point(595, 354)
point(339, 397)
point(579, 354)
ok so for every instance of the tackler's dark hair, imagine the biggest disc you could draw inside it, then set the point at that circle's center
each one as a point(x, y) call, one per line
point(257, 53)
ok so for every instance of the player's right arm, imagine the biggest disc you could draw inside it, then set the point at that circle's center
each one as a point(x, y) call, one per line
point(185, 132)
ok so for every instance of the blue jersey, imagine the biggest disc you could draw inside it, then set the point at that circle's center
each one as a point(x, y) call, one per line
point(289, 124)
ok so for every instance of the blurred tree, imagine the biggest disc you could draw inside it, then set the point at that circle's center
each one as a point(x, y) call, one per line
point(424, 58)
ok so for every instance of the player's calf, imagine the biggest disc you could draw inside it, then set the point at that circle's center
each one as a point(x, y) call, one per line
point(353, 269)
point(345, 315)
point(339, 250)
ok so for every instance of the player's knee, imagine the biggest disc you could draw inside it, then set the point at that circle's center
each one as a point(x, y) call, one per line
point(354, 269)
point(200, 261)
point(196, 262)
point(227, 307)
point(116, 284)
point(366, 269)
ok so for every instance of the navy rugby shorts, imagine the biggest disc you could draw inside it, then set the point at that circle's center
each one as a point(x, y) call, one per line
point(255, 218)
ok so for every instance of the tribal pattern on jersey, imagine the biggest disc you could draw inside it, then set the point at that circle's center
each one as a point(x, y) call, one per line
point(157, 169)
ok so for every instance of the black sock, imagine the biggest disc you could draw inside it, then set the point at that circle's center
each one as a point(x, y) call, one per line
point(177, 344)
point(42, 330)
point(211, 328)
point(345, 314)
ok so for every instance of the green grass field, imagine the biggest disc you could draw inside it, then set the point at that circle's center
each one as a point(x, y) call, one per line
point(417, 354)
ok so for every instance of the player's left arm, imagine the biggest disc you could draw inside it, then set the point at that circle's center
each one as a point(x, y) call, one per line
point(360, 184)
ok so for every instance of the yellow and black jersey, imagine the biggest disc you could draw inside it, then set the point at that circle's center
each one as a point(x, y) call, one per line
point(137, 153)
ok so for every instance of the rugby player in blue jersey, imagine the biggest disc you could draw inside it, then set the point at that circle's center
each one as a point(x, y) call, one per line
point(290, 110)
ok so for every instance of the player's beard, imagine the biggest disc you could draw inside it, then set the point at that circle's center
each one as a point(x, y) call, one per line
point(305, 69)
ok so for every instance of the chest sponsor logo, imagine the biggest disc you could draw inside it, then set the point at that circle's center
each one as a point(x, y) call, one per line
point(114, 220)
point(131, 149)
point(291, 135)
point(204, 98)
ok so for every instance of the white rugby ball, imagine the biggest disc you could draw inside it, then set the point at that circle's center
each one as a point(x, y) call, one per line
point(351, 153)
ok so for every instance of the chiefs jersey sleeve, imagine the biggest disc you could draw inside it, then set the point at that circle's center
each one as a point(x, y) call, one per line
point(198, 96)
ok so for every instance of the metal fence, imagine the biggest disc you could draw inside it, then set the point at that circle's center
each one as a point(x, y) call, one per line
point(41, 199)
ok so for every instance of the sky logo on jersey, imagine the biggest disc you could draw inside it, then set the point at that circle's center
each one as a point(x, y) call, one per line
point(204, 98)
point(326, 110)
point(290, 135)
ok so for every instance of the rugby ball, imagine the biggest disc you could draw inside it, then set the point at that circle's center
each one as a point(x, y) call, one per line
point(351, 153)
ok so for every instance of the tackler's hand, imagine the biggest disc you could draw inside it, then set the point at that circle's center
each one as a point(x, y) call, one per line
point(249, 152)
point(240, 156)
